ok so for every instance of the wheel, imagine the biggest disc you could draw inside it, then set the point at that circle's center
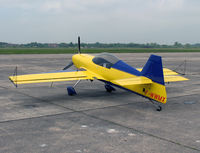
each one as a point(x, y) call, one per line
point(71, 91)
point(109, 88)
point(159, 108)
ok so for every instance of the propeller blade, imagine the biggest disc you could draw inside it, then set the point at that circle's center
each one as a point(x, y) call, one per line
point(79, 51)
point(68, 66)
point(79, 45)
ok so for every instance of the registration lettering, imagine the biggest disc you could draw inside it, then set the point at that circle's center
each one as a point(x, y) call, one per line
point(155, 96)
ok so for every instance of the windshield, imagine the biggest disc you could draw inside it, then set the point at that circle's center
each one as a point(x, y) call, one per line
point(105, 59)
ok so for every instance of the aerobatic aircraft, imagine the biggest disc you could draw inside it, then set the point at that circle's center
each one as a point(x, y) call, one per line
point(148, 82)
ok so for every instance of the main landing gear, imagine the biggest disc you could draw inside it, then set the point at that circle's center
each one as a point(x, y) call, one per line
point(71, 91)
point(109, 88)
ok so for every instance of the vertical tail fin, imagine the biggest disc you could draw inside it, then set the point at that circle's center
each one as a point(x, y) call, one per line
point(153, 69)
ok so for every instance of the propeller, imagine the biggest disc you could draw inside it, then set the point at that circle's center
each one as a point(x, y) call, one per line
point(79, 45)
point(68, 66)
point(79, 51)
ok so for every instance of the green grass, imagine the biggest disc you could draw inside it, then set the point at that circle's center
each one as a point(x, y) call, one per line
point(92, 50)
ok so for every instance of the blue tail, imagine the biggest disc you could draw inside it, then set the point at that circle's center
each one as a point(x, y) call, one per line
point(153, 69)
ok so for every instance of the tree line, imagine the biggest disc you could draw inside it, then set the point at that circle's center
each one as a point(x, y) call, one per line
point(97, 45)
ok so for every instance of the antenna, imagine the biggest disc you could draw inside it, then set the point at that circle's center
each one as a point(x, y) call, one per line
point(79, 45)
point(182, 67)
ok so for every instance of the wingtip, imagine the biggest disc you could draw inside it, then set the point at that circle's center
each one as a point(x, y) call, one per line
point(11, 80)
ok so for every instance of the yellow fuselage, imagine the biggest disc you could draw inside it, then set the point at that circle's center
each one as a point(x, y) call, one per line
point(153, 91)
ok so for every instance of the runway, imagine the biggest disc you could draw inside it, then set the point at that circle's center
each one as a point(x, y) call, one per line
point(40, 118)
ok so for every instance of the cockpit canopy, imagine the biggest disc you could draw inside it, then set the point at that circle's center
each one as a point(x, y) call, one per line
point(105, 59)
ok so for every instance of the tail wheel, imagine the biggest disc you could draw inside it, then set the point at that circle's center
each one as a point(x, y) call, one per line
point(159, 108)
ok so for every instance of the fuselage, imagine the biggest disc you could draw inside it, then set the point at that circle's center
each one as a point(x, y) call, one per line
point(115, 69)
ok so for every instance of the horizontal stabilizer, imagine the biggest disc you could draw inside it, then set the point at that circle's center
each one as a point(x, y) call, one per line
point(170, 76)
point(132, 81)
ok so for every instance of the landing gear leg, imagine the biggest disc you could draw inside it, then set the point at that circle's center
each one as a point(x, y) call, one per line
point(158, 107)
point(71, 91)
point(109, 88)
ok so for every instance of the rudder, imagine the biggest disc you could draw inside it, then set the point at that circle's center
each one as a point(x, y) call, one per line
point(153, 69)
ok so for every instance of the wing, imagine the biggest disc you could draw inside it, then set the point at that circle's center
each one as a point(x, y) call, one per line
point(170, 76)
point(51, 77)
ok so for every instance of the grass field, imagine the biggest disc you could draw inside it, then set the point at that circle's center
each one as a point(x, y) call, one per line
point(91, 50)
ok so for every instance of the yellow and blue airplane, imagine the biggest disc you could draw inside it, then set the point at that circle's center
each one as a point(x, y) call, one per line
point(148, 82)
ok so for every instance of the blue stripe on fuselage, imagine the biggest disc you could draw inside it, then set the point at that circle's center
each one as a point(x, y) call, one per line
point(122, 66)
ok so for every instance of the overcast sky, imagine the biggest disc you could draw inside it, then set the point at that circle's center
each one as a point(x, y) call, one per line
point(139, 21)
